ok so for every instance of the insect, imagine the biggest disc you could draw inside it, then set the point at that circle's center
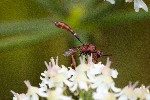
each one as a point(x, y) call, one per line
point(85, 49)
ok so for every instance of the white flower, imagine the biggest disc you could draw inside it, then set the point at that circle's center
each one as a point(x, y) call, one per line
point(99, 80)
point(52, 68)
point(83, 66)
point(61, 77)
point(84, 74)
point(79, 79)
point(142, 92)
point(103, 84)
point(95, 69)
point(107, 71)
point(20, 96)
point(57, 94)
point(104, 80)
point(55, 76)
point(33, 91)
point(111, 1)
point(139, 4)
point(128, 92)
point(56, 81)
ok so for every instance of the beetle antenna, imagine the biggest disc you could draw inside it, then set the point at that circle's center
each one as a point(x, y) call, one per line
point(77, 37)
point(108, 55)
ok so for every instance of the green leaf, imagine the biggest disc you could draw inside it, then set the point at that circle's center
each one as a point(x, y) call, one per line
point(9, 28)
point(29, 39)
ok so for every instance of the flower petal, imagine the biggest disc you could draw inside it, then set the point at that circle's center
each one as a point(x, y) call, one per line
point(111, 1)
point(140, 4)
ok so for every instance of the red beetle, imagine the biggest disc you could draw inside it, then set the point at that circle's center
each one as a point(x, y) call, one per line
point(84, 49)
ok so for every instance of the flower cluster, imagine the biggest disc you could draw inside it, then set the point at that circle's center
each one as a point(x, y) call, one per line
point(137, 4)
point(95, 81)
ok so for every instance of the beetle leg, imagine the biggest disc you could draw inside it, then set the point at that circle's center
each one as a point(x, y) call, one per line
point(73, 61)
point(97, 59)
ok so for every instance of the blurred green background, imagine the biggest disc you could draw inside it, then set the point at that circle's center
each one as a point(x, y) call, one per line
point(28, 37)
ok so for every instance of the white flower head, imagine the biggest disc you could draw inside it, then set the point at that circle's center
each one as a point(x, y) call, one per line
point(55, 76)
point(128, 92)
point(87, 76)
